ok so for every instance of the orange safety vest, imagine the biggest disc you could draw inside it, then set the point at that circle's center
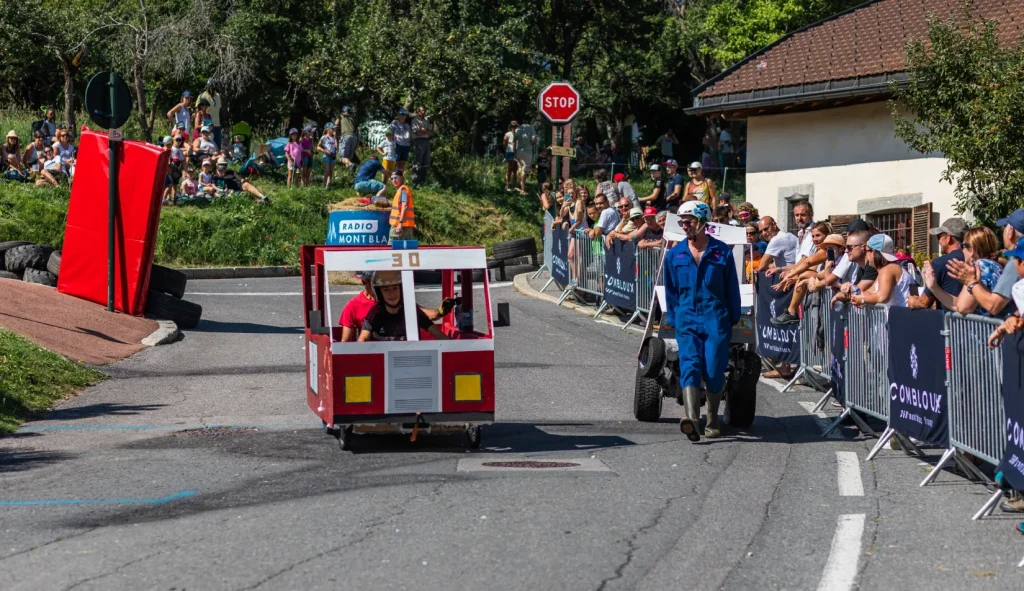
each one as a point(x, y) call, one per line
point(409, 221)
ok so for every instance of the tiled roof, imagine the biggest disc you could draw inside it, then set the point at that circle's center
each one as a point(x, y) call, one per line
point(869, 40)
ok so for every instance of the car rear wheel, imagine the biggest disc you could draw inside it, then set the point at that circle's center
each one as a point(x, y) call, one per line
point(646, 399)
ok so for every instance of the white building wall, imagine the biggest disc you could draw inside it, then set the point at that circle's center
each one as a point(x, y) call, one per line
point(845, 159)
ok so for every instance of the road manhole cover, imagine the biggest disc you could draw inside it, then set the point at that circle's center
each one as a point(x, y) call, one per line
point(212, 431)
point(530, 464)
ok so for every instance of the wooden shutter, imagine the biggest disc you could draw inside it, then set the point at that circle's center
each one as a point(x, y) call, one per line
point(920, 224)
point(839, 222)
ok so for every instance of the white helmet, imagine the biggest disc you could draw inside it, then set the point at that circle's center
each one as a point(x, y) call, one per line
point(698, 209)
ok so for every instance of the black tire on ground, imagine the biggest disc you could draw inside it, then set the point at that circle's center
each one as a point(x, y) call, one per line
point(514, 248)
point(741, 389)
point(426, 277)
point(53, 264)
point(513, 270)
point(185, 314)
point(474, 435)
point(40, 277)
point(167, 280)
point(652, 358)
point(5, 246)
point(9, 275)
point(28, 256)
point(646, 399)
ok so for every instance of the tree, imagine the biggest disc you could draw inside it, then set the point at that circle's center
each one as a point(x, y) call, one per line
point(965, 98)
point(65, 32)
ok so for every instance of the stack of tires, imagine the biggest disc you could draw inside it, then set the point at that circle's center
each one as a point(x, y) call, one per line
point(513, 258)
point(166, 288)
point(32, 263)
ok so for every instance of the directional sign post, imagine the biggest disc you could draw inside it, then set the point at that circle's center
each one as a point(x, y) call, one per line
point(559, 102)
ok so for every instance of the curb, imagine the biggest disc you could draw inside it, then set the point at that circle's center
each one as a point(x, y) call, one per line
point(522, 285)
point(166, 333)
point(238, 272)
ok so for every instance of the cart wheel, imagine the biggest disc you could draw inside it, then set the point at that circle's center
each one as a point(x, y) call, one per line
point(473, 433)
point(332, 431)
point(346, 437)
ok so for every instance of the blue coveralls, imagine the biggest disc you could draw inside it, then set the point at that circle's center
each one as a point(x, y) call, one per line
point(703, 305)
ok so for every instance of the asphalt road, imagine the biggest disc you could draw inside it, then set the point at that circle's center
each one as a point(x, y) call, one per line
point(122, 487)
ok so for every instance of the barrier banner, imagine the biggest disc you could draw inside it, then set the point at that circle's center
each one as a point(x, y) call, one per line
point(620, 275)
point(778, 343)
point(917, 376)
point(560, 256)
point(837, 340)
point(1012, 463)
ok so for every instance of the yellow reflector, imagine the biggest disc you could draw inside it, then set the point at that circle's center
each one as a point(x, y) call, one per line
point(467, 387)
point(357, 389)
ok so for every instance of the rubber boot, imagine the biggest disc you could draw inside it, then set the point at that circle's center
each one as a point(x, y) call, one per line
point(713, 429)
point(690, 424)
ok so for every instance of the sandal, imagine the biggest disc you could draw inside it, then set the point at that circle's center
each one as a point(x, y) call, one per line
point(689, 428)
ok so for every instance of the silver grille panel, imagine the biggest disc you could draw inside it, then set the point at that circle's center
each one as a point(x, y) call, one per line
point(413, 382)
point(414, 405)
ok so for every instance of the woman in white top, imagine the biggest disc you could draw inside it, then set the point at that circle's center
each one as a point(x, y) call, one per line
point(63, 149)
point(35, 158)
point(894, 283)
point(179, 114)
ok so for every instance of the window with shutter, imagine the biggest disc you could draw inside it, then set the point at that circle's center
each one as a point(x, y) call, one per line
point(921, 223)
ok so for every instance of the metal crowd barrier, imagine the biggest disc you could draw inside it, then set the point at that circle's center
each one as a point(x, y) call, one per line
point(587, 265)
point(814, 355)
point(548, 247)
point(647, 278)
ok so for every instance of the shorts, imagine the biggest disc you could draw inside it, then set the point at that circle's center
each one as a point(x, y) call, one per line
point(403, 153)
point(347, 148)
point(232, 185)
point(525, 164)
point(389, 165)
point(400, 233)
point(307, 161)
point(510, 156)
point(369, 187)
point(291, 166)
point(328, 159)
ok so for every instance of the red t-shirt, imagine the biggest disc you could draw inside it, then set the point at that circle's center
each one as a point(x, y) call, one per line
point(355, 312)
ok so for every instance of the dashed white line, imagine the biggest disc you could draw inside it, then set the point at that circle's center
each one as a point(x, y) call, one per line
point(844, 557)
point(848, 471)
point(822, 419)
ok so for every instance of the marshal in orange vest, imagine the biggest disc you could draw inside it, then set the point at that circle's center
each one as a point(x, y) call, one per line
point(409, 220)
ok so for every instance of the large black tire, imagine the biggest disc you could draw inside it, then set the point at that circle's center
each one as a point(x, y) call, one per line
point(53, 264)
point(512, 270)
point(40, 277)
point(9, 275)
point(29, 256)
point(167, 280)
point(5, 246)
point(652, 358)
point(503, 251)
point(741, 389)
point(185, 314)
point(646, 399)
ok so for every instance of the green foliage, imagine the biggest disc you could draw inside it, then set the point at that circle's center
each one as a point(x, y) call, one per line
point(965, 97)
point(33, 378)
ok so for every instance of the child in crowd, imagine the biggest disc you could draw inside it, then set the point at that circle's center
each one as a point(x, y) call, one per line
point(307, 155)
point(189, 187)
point(293, 153)
point(206, 185)
point(328, 146)
point(238, 151)
point(388, 150)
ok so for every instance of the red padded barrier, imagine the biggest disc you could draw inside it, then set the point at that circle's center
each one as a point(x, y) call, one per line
point(142, 169)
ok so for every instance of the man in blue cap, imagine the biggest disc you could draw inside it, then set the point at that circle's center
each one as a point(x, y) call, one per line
point(996, 300)
point(348, 132)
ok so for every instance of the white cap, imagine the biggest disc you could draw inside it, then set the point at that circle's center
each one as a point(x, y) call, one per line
point(694, 165)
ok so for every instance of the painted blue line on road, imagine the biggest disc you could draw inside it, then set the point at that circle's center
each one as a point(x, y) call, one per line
point(27, 428)
point(161, 501)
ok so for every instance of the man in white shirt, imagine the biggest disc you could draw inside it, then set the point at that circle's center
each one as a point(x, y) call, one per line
point(608, 221)
point(782, 246)
point(803, 215)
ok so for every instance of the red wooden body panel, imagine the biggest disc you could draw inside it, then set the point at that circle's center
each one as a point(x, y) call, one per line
point(468, 362)
point(371, 364)
point(320, 403)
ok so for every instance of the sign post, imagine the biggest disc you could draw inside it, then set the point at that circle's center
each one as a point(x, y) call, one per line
point(109, 103)
point(559, 102)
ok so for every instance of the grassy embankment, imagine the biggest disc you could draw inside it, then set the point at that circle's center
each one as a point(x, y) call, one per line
point(33, 378)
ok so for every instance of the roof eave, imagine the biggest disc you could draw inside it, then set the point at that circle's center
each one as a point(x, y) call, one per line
point(802, 93)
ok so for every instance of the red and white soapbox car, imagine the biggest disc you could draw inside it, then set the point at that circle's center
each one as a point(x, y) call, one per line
point(415, 384)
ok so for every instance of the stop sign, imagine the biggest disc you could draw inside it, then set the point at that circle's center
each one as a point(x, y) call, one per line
point(559, 102)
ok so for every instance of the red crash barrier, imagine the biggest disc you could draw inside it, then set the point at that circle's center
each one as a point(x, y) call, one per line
point(142, 169)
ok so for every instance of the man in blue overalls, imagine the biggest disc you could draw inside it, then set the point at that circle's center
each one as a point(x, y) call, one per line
point(702, 293)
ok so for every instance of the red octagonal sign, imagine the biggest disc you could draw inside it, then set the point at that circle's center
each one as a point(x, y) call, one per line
point(559, 102)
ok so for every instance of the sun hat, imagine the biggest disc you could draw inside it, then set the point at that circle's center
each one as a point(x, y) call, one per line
point(166, 140)
point(834, 239)
point(292, 130)
point(650, 211)
point(12, 134)
point(385, 278)
point(205, 129)
point(694, 166)
point(636, 212)
point(329, 125)
point(882, 243)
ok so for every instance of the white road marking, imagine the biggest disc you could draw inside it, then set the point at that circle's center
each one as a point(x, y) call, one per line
point(299, 293)
point(848, 471)
point(822, 419)
point(771, 383)
point(841, 569)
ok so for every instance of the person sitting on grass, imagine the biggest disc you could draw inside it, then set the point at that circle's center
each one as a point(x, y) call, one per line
point(12, 158)
point(386, 320)
point(239, 153)
point(35, 159)
point(293, 154)
point(189, 186)
point(203, 146)
point(65, 151)
point(808, 269)
point(228, 183)
point(206, 187)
